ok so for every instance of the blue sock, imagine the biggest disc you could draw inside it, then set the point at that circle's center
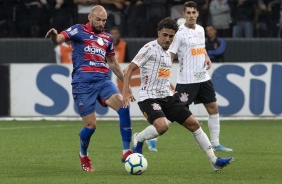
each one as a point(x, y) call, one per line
point(85, 135)
point(125, 127)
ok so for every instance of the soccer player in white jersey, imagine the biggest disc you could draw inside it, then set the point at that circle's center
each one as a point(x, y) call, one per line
point(193, 81)
point(156, 99)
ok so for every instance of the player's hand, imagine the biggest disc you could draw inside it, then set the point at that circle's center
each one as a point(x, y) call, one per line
point(208, 63)
point(132, 97)
point(51, 32)
point(127, 98)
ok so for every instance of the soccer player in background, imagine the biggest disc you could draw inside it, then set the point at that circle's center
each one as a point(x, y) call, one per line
point(93, 55)
point(193, 80)
point(156, 99)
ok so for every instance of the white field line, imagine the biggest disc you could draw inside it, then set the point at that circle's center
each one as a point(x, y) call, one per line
point(32, 127)
point(202, 118)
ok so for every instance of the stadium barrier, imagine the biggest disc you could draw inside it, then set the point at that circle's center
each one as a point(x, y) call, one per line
point(37, 50)
point(243, 90)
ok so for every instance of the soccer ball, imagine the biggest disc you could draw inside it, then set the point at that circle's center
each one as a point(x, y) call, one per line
point(136, 164)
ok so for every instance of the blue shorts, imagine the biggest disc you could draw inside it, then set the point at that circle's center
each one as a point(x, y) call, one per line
point(85, 95)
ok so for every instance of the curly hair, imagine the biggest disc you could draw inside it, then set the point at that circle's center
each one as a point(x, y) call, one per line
point(167, 23)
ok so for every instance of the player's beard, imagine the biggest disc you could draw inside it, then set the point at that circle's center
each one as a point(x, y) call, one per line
point(97, 30)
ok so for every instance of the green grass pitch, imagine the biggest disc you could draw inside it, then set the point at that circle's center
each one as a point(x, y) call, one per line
point(46, 152)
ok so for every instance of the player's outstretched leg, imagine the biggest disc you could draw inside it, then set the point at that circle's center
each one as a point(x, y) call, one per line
point(86, 163)
point(85, 135)
point(221, 163)
point(137, 145)
point(125, 131)
point(214, 128)
point(221, 148)
point(152, 144)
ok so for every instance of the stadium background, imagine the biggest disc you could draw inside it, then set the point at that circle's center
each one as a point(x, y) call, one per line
point(248, 83)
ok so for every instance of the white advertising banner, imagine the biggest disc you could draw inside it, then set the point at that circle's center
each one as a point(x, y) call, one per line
point(243, 89)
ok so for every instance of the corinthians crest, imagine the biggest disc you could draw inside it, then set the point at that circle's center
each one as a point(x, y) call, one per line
point(184, 97)
point(156, 106)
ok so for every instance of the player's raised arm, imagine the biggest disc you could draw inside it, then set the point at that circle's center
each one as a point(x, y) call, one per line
point(55, 37)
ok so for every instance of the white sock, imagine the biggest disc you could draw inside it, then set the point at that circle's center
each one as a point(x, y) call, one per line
point(168, 122)
point(204, 143)
point(214, 127)
point(124, 151)
point(149, 132)
point(82, 155)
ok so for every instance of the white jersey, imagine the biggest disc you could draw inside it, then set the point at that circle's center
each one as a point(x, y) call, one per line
point(155, 67)
point(189, 45)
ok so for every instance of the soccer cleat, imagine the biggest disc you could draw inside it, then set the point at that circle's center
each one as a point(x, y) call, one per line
point(221, 148)
point(221, 163)
point(86, 164)
point(125, 155)
point(152, 145)
point(137, 146)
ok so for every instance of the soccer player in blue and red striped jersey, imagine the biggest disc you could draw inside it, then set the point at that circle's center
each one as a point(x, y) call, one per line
point(92, 56)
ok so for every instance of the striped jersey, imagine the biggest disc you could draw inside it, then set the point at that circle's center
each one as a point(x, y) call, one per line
point(89, 52)
point(189, 45)
point(155, 67)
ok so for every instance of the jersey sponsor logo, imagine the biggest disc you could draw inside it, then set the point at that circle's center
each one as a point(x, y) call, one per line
point(200, 75)
point(197, 51)
point(139, 57)
point(164, 73)
point(97, 64)
point(163, 93)
point(73, 32)
point(95, 50)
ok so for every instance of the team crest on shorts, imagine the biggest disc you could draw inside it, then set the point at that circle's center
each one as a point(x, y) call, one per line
point(80, 105)
point(184, 97)
point(156, 106)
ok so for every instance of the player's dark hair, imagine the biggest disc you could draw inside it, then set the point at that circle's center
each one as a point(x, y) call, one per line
point(190, 4)
point(210, 25)
point(114, 28)
point(167, 23)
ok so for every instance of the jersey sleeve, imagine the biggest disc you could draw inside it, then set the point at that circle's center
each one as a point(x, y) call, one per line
point(70, 33)
point(175, 44)
point(110, 50)
point(143, 55)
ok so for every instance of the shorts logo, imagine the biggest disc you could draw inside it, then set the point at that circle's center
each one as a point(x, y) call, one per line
point(80, 105)
point(156, 107)
point(184, 97)
point(145, 115)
